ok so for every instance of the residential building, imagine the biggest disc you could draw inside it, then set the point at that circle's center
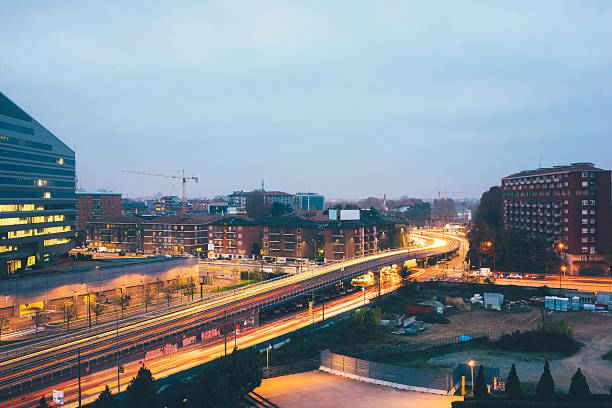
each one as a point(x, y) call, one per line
point(217, 207)
point(349, 239)
point(308, 201)
point(173, 235)
point(233, 237)
point(288, 236)
point(94, 205)
point(37, 186)
point(238, 199)
point(118, 233)
point(130, 208)
point(168, 205)
point(564, 204)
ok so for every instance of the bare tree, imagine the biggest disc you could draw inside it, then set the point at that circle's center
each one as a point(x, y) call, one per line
point(70, 311)
point(190, 288)
point(4, 324)
point(147, 297)
point(122, 300)
point(97, 309)
point(40, 317)
point(168, 291)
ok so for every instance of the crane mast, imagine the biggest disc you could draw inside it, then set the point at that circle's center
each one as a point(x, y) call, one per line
point(183, 178)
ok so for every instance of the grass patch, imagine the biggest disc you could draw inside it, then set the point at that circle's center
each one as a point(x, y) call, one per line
point(421, 359)
point(232, 287)
point(7, 342)
point(607, 356)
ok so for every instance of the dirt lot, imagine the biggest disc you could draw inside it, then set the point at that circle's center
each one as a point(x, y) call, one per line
point(591, 328)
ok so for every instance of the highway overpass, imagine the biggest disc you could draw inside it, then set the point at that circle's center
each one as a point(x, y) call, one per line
point(47, 362)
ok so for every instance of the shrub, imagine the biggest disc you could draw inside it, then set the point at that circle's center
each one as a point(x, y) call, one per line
point(433, 317)
point(579, 385)
point(513, 385)
point(538, 340)
point(546, 385)
point(480, 389)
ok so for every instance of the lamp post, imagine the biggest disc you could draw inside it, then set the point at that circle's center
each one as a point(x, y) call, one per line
point(561, 245)
point(491, 245)
point(472, 363)
point(268, 360)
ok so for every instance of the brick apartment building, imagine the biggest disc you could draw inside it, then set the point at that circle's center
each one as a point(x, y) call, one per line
point(176, 235)
point(288, 236)
point(348, 239)
point(117, 233)
point(564, 204)
point(232, 237)
point(95, 205)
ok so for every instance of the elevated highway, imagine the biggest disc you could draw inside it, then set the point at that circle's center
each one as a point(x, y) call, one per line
point(47, 362)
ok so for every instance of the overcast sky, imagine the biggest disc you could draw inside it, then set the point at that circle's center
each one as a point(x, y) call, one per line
point(349, 99)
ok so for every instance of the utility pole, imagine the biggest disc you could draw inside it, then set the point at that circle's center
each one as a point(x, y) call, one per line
point(117, 343)
point(79, 362)
point(225, 331)
point(323, 311)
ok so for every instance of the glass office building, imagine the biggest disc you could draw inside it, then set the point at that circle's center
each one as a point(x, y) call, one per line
point(37, 192)
point(308, 201)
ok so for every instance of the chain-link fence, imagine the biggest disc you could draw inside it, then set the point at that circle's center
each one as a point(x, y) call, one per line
point(300, 367)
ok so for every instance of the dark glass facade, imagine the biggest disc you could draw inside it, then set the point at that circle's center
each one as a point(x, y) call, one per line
point(37, 192)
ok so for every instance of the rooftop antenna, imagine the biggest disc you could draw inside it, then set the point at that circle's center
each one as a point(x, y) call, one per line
point(262, 185)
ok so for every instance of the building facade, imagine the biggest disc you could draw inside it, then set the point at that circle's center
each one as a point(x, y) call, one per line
point(95, 205)
point(37, 192)
point(288, 236)
point(349, 239)
point(175, 235)
point(233, 237)
point(564, 204)
point(308, 202)
point(118, 233)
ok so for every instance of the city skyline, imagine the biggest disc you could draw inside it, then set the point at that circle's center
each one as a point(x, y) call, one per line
point(349, 101)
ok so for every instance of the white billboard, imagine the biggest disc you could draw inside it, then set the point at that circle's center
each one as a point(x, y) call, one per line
point(347, 215)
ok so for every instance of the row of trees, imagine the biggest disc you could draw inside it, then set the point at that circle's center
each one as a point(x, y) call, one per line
point(510, 250)
point(544, 389)
point(220, 383)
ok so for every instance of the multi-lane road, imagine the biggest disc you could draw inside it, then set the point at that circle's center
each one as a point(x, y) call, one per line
point(26, 369)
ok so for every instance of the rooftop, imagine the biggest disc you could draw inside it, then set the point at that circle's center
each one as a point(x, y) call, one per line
point(582, 166)
point(80, 192)
point(286, 221)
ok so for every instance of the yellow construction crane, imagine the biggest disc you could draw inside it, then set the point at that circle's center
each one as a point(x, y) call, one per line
point(183, 177)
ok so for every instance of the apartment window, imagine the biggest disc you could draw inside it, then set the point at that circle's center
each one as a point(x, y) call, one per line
point(592, 220)
point(585, 221)
point(566, 229)
point(565, 211)
point(239, 235)
point(592, 202)
point(585, 249)
point(592, 230)
point(585, 230)
point(585, 174)
point(585, 202)
point(585, 212)
point(585, 184)
point(592, 250)
point(566, 220)
point(592, 212)
point(592, 240)
point(585, 240)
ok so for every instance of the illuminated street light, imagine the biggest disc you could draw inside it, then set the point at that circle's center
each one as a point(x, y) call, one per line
point(472, 363)
point(268, 360)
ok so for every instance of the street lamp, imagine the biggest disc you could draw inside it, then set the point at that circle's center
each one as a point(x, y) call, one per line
point(490, 244)
point(268, 360)
point(563, 269)
point(472, 363)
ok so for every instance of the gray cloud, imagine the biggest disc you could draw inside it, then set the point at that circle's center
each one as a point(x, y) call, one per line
point(349, 99)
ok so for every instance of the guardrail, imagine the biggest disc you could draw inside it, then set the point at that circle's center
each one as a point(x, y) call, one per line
point(303, 286)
